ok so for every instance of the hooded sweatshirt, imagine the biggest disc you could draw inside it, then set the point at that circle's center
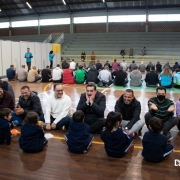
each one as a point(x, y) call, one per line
point(135, 77)
point(116, 143)
point(32, 138)
point(78, 137)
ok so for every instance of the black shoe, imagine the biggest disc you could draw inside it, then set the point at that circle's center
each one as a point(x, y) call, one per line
point(169, 136)
point(45, 142)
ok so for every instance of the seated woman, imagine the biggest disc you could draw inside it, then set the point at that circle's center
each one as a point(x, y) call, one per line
point(68, 77)
point(165, 78)
point(176, 78)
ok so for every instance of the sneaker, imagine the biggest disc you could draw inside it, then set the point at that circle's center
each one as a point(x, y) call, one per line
point(169, 136)
point(132, 135)
point(45, 142)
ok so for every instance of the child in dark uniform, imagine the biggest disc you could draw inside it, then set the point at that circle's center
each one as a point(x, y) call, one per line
point(78, 138)
point(32, 135)
point(5, 126)
point(155, 147)
point(117, 142)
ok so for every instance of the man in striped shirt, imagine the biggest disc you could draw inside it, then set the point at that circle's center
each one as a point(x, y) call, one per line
point(162, 108)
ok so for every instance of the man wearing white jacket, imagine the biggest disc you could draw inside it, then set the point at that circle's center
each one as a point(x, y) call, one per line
point(57, 74)
point(58, 109)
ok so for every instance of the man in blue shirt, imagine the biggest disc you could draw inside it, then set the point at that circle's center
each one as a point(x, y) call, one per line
point(11, 73)
point(28, 55)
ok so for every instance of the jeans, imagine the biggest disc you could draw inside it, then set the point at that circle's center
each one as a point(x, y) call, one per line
point(168, 125)
point(21, 117)
point(63, 122)
point(28, 65)
point(135, 128)
point(51, 64)
point(37, 79)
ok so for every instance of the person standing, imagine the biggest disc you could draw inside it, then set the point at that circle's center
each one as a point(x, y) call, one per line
point(28, 55)
point(93, 57)
point(83, 55)
point(51, 56)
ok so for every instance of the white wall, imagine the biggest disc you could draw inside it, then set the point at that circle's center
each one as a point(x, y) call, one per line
point(13, 53)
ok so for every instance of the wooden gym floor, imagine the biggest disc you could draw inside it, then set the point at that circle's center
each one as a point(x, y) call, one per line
point(56, 162)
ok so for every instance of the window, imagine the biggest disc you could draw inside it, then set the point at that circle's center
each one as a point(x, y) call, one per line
point(25, 23)
point(92, 19)
point(44, 22)
point(127, 18)
point(4, 25)
point(164, 17)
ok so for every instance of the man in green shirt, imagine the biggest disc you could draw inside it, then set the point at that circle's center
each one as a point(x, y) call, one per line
point(162, 108)
point(80, 75)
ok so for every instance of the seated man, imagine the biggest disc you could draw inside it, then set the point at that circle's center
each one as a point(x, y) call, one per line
point(58, 109)
point(6, 100)
point(80, 75)
point(93, 104)
point(135, 77)
point(33, 75)
point(28, 101)
point(152, 78)
point(46, 74)
point(11, 73)
point(162, 108)
point(176, 78)
point(22, 74)
point(105, 76)
point(130, 108)
point(120, 77)
point(57, 74)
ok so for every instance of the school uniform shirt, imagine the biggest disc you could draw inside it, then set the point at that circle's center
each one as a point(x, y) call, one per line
point(154, 146)
point(78, 137)
point(116, 142)
point(28, 56)
point(32, 138)
point(5, 134)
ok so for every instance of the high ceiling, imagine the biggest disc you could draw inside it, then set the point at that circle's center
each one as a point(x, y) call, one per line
point(12, 8)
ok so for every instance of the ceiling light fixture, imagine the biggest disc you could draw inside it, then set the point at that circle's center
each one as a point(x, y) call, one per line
point(29, 5)
point(64, 2)
point(103, 1)
point(0, 10)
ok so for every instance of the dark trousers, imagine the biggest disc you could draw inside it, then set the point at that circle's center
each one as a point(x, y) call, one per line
point(28, 65)
point(168, 125)
point(96, 124)
point(51, 64)
point(63, 122)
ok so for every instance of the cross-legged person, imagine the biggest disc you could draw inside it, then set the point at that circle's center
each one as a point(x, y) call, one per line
point(58, 109)
point(93, 104)
point(130, 108)
point(162, 108)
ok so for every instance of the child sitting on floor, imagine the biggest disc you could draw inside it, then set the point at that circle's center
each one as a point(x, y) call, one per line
point(32, 135)
point(178, 113)
point(5, 126)
point(155, 147)
point(78, 138)
point(117, 142)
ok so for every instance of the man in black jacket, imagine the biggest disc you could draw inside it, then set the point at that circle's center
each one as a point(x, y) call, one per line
point(93, 104)
point(151, 78)
point(130, 108)
point(28, 102)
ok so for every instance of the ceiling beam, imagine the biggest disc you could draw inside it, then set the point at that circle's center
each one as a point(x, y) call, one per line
point(68, 7)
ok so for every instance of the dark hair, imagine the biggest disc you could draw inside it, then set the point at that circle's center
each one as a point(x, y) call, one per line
point(114, 60)
point(50, 52)
point(177, 69)
point(111, 121)
point(25, 87)
point(58, 65)
point(130, 90)
point(54, 87)
point(152, 68)
point(160, 88)
point(133, 61)
point(135, 67)
point(47, 66)
point(4, 112)
point(156, 124)
point(78, 116)
point(11, 65)
point(176, 62)
point(91, 84)
point(31, 118)
point(80, 67)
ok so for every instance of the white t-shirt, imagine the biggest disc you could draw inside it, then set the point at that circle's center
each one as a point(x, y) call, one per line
point(72, 65)
point(57, 73)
